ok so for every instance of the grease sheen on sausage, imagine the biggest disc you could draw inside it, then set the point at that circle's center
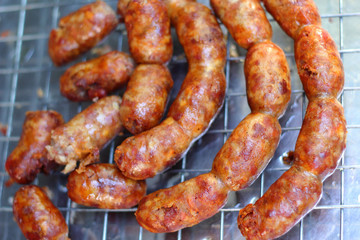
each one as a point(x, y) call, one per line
point(37, 216)
point(183, 205)
point(81, 30)
point(148, 27)
point(29, 156)
point(293, 15)
point(82, 138)
point(104, 186)
point(245, 20)
point(145, 98)
point(97, 77)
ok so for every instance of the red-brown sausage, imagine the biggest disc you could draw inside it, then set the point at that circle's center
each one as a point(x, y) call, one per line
point(245, 20)
point(292, 196)
point(183, 205)
point(29, 156)
point(83, 137)
point(80, 31)
point(293, 15)
point(199, 100)
point(97, 77)
point(267, 75)
point(145, 98)
point(103, 186)
point(37, 216)
point(148, 27)
point(318, 62)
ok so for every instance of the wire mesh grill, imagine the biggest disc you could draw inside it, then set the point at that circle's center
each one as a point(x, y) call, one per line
point(28, 81)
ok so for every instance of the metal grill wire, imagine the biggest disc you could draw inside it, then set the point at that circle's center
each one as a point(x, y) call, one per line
point(28, 81)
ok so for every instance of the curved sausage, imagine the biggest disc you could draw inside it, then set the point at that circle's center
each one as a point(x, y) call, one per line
point(145, 98)
point(292, 196)
point(183, 205)
point(148, 27)
point(37, 216)
point(318, 62)
point(103, 186)
point(245, 20)
point(81, 30)
point(97, 77)
point(293, 15)
point(29, 156)
point(83, 137)
point(267, 75)
point(199, 100)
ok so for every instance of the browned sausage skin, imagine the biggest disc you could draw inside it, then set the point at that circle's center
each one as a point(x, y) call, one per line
point(104, 186)
point(293, 15)
point(97, 77)
point(37, 216)
point(145, 98)
point(197, 103)
point(29, 156)
point(148, 27)
point(245, 20)
point(80, 31)
point(71, 143)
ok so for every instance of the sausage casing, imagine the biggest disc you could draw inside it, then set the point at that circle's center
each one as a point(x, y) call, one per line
point(293, 15)
point(183, 205)
point(267, 75)
point(103, 186)
point(80, 31)
point(245, 20)
point(29, 156)
point(318, 61)
point(82, 137)
point(247, 151)
point(148, 27)
point(293, 195)
point(37, 216)
point(145, 98)
point(97, 77)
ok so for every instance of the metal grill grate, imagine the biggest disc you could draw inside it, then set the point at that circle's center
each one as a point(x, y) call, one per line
point(28, 81)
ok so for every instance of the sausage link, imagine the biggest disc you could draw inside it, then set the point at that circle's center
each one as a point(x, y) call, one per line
point(267, 75)
point(81, 30)
point(322, 138)
point(293, 15)
point(150, 152)
point(97, 77)
point(148, 27)
point(292, 196)
point(199, 100)
point(145, 98)
point(247, 151)
point(318, 61)
point(245, 20)
point(29, 156)
point(37, 216)
point(103, 186)
point(183, 205)
point(82, 137)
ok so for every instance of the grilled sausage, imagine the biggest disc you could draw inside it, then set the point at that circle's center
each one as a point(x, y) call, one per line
point(97, 77)
point(37, 216)
point(245, 20)
point(81, 30)
point(83, 137)
point(199, 100)
point(183, 205)
point(293, 15)
point(148, 27)
point(103, 186)
point(29, 156)
point(145, 98)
